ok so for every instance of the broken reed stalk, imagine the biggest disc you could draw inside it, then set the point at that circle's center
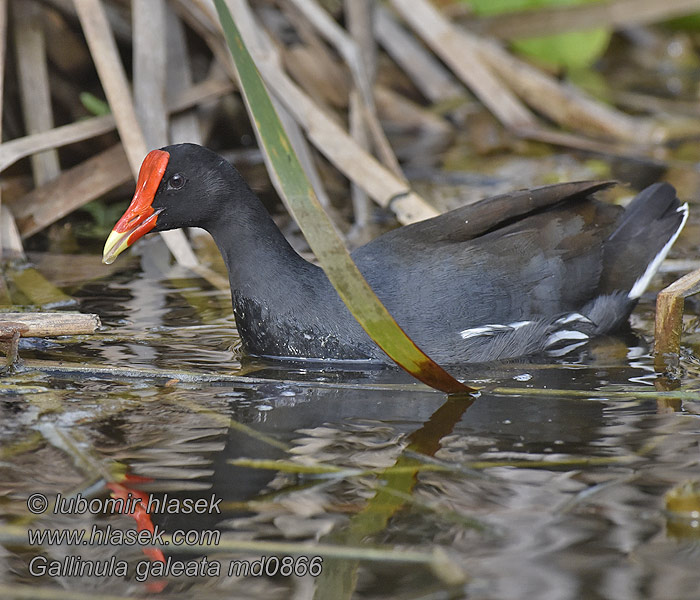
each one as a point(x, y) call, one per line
point(669, 320)
point(503, 82)
point(13, 150)
point(562, 103)
point(50, 324)
point(16, 325)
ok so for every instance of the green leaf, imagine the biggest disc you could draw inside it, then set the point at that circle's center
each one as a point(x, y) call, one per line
point(94, 105)
point(687, 23)
point(571, 50)
point(318, 230)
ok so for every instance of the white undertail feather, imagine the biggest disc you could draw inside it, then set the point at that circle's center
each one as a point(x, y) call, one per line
point(641, 284)
point(566, 349)
point(568, 335)
point(579, 338)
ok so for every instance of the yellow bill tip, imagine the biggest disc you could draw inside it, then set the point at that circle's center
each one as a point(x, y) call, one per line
point(116, 244)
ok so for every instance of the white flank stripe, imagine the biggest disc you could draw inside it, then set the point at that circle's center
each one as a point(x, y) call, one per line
point(567, 334)
point(641, 284)
point(493, 329)
point(572, 317)
point(485, 330)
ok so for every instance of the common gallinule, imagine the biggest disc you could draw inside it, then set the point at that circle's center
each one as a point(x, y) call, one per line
point(539, 270)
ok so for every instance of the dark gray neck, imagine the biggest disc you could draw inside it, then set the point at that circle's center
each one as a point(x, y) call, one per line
point(284, 305)
point(261, 263)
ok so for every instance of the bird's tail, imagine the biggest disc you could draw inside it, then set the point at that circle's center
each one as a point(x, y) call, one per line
point(645, 232)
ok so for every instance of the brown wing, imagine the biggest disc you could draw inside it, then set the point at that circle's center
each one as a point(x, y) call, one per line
point(473, 220)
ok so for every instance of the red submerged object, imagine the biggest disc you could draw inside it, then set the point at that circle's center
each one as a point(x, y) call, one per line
point(541, 270)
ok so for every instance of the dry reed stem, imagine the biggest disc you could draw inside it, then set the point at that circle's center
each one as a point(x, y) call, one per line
point(359, 19)
point(202, 17)
point(429, 75)
point(72, 189)
point(332, 140)
point(352, 55)
point(110, 70)
point(184, 127)
point(564, 104)
point(116, 87)
point(14, 150)
point(9, 238)
point(562, 19)
point(456, 50)
point(9, 234)
point(360, 200)
point(150, 70)
point(477, 61)
point(33, 75)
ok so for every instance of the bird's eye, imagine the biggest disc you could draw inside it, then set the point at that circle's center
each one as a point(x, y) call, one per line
point(176, 181)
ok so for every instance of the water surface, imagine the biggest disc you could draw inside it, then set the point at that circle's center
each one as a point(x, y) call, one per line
point(555, 482)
